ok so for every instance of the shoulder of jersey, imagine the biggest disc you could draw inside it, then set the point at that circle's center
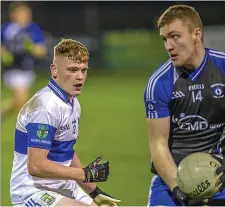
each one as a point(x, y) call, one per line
point(163, 72)
point(4, 26)
point(217, 57)
point(34, 25)
point(44, 99)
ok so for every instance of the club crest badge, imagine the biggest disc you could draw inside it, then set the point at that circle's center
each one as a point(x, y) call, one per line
point(218, 90)
point(42, 131)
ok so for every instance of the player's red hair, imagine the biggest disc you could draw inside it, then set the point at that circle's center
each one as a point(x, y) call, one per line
point(72, 49)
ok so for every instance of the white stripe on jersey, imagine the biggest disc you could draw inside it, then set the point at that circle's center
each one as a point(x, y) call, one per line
point(154, 115)
point(216, 52)
point(155, 77)
point(216, 55)
point(61, 95)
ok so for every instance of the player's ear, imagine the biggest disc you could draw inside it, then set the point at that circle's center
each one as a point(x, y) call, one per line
point(53, 70)
point(197, 35)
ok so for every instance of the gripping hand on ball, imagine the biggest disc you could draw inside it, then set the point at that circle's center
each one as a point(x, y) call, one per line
point(221, 169)
point(96, 172)
point(102, 198)
point(184, 200)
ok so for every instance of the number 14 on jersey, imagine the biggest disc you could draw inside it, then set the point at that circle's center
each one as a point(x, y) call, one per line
point(196, 95)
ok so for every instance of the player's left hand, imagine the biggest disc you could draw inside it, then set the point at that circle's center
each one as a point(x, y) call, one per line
point(96, 171)
point(184, 199)
point(221, 169)
point(101, 198)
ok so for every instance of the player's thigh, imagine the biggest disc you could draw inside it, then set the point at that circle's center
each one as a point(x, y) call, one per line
point(218, 199)
point(81, 196)
point(69, 202)
point(20, 96)
point(19, 82)
point(217, 202)
point(159, 194)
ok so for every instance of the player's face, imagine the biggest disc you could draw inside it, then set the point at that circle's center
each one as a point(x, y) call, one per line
point(22, 15)
point(70, 75)
point(179, 43)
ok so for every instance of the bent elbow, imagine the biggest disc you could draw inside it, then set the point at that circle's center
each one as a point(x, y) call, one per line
point(34, 170)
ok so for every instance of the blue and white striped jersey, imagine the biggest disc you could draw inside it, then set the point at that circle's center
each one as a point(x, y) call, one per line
point(48, 121)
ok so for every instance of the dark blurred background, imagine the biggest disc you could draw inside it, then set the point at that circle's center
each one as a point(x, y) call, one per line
point(99, 24)
point(124, 49)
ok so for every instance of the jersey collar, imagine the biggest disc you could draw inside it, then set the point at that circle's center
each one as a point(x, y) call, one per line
point(193, 74)
point(198, 71)
point(58, 91)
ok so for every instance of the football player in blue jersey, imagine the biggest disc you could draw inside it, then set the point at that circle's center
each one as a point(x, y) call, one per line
point(180, 121)
point(21, 42)
point(46, 168)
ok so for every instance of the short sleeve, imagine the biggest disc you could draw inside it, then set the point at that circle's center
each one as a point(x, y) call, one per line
point(37, 34)
point(41, 129)
point(157, 98)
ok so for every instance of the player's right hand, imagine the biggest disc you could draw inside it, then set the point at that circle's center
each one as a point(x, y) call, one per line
point(96, 171)
point(184, 200)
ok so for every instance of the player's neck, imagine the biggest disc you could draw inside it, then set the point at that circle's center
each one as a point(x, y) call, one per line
point(197, 58)
point(68, 95)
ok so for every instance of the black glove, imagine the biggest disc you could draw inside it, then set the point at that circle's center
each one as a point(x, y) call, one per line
point(184, 200)
point(96, 172)
point(102, 198)
point(220, 169)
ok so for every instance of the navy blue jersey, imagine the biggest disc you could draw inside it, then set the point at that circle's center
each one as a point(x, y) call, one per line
point(195, 102)
point(13, 36)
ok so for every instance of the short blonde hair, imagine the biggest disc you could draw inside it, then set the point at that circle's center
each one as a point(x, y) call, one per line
point(73, 50)
point(183, 13)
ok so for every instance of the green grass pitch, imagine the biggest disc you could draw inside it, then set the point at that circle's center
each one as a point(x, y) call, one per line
point(112, 125)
